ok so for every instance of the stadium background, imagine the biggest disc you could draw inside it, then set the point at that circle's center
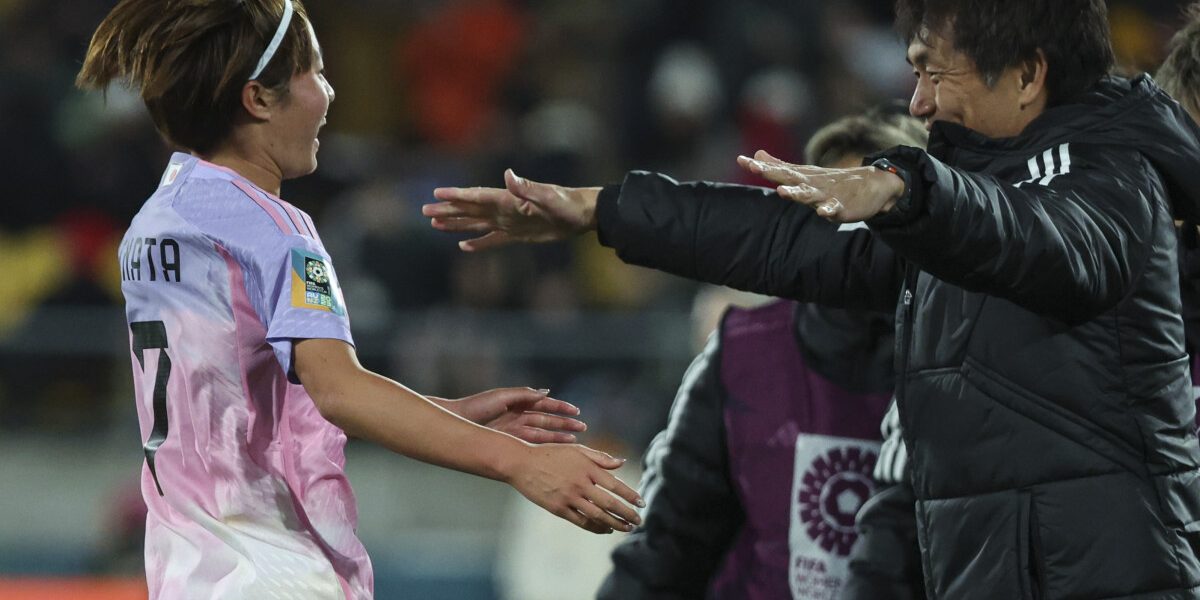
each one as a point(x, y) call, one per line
point(429, 93)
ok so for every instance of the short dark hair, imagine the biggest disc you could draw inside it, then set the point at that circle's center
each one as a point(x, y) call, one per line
point(1179, 74)
point(999, 34)
point(190, 60)
point(864, 134)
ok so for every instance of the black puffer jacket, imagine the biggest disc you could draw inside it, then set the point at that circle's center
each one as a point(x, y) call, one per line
point(1042, 379)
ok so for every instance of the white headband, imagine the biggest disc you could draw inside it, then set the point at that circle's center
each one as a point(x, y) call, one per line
point(275, 41)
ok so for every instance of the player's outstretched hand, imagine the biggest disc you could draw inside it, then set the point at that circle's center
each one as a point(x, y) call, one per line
point(529, 414)
point(574, 482)
point(839, 195)
point(524, 211)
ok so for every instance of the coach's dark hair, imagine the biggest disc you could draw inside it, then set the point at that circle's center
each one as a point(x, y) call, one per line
point(191, 58)
point(998, 34)
point(864, 134)
point(1179, 74)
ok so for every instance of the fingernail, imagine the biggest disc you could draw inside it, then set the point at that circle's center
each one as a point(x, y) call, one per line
point(544, 391)
point(641, 503)
point(462, 246)
point(827, 209)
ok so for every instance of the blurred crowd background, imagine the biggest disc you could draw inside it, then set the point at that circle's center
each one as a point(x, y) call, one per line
point(429, 93)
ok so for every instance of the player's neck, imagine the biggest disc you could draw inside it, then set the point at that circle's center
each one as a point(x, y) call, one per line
point(260, 170)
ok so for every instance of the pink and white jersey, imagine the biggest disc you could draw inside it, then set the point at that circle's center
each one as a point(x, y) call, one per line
point(243, 478)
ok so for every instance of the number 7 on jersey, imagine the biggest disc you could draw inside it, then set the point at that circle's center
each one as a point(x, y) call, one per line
point(149, 335)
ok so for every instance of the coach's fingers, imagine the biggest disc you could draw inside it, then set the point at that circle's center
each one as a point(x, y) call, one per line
point(462, 224)
point(495, 239)
point(780, 173)
point(475, 195)
point(455, 208)
point(526, 189)
point(763, 156)
point(802, 193)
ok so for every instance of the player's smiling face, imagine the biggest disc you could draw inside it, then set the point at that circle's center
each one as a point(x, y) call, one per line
point(298, 118)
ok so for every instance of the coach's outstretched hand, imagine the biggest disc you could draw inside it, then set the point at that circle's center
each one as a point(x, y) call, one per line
point(524, 211)
point(839, 195)
point(525, 413)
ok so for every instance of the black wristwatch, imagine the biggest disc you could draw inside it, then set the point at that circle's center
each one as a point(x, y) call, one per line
point(905, 199)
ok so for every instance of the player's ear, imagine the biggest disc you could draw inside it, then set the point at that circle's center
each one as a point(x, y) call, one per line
point(258, 100)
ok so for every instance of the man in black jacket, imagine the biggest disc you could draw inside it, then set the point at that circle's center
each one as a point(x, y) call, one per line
point(1042, 380)
point(772, 441)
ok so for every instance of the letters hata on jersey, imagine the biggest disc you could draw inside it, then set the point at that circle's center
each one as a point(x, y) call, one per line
point(150, 259)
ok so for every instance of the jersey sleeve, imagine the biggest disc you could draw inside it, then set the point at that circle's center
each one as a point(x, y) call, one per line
point(300, 297)
point(287, 274)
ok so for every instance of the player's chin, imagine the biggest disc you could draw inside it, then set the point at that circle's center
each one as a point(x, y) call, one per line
point(302, 167)
point(312, 156)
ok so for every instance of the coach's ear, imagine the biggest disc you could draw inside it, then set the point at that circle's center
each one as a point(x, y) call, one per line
point(1033, 81)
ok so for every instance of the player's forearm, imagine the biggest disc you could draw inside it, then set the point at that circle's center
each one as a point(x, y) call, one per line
point(383, 411)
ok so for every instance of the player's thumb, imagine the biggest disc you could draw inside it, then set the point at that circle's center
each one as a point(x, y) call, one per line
point(603, 459)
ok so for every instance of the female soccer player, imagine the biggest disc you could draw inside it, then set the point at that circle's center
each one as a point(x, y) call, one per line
point(242, 357)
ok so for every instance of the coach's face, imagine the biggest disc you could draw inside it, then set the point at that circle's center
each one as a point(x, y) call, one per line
point(950, 88)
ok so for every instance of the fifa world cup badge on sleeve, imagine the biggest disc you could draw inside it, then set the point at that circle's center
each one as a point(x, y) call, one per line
point(314, 284)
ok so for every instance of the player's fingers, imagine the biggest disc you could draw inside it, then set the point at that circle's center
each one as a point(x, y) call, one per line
point(537, 402)
point(599, 515)
point(550, 422)
point(576, 518)
point(463, 224)
point(517, 396)
point(610, 504)
point(603, 459)
point(613, 484)
point(492, 240)
point(535, 435)
point(555, 406)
